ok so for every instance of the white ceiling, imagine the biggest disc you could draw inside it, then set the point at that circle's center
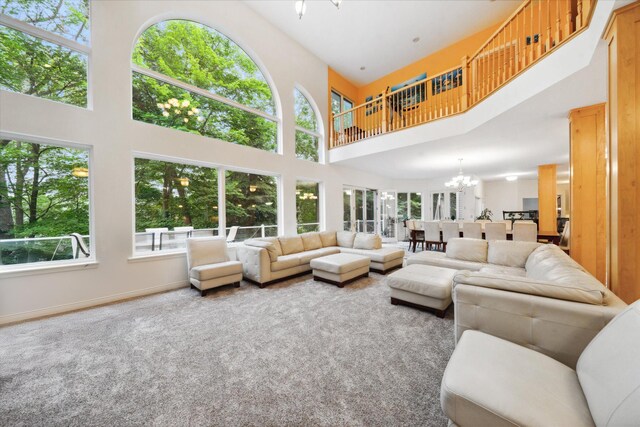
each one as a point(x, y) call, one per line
point(533, 133)
point(378, 34)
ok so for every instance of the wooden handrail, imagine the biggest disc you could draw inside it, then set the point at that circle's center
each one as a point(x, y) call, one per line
point(535, 29)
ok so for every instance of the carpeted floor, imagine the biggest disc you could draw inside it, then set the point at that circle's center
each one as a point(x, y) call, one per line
point(296, 353)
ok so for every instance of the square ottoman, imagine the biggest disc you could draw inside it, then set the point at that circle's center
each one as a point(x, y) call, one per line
point(425, 287)
point(340, 269)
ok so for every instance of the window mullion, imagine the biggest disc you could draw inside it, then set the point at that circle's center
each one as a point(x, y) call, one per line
point(201, 92)
point(43, 34)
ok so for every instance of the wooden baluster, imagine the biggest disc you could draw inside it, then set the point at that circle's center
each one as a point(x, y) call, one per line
point(568, 25)
point(558, 33)
point(579, 16)
point(466, 84)
point(549, 42)
point(384, 113)
point(540, 39)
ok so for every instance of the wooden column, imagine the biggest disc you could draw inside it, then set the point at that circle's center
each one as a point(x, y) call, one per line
point(623, 39)
point(547, 183)
point(589, 189)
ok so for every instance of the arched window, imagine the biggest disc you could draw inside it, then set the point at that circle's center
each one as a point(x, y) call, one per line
point(190, 77)
point(44, 49)
point(307, 135)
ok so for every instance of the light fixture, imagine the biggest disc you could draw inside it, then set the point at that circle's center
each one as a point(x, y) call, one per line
point(253, 188)
point(511, 178)
point(416, 39)
point(80, 172)
point(308, 196)
point(301, 6)
point(184, 181)
point(363, 68)
point(461, 182)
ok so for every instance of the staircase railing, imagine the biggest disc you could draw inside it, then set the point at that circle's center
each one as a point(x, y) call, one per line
point(534, 30)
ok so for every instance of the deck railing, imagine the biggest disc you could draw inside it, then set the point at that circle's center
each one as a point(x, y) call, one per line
point(534, 30)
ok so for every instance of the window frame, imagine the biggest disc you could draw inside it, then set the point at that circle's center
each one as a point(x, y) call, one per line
point(276, 118)
point(59, 40)
point(343, 98)
point(9, 270)
point(321, 206)
point(318, 133)
point(222, 198)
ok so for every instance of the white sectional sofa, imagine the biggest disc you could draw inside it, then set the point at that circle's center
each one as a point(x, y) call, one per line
point(527, 293)
point(271, 259)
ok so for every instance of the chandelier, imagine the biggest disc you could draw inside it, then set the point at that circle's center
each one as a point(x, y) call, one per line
point(301, 6)
point(461, 182)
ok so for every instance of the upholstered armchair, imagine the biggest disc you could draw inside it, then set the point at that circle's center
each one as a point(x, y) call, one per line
point(209, 265)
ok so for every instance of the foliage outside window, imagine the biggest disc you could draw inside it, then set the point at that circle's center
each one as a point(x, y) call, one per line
point(416, 205)
point(223, 94)
point(44, 198)
point(403, 207)
point(307, 135)
point(453, 205)
point(308, 206)
point(33, 66)
point(173, 201)
point(346, 206)
point(252, 204)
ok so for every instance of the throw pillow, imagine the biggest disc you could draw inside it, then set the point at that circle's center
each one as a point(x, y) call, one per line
point(270, 247)
point(367, 241)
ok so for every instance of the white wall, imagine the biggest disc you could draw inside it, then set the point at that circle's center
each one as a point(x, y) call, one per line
point(114, 138)
point(507, 195)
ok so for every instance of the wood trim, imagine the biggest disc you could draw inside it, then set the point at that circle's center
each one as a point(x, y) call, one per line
point(547, 191)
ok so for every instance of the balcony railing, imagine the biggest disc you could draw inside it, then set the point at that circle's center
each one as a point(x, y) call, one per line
point(38, 249)
point(535, 29)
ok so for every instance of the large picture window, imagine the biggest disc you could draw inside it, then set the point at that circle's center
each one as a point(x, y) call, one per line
point(307, 136)
point(44, 202)
point(189, 77)
point(173, 201)
point(251, 204)
point(308, 206)
point(53, 64)
point(340, 103)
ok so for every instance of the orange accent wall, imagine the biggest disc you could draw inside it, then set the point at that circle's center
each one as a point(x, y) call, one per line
point(434, 64)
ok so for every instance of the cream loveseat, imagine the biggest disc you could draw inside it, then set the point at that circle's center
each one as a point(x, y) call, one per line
point(527, 293)
point(267, 260)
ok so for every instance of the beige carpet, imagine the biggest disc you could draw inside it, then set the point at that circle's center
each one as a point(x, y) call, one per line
point(296, 353)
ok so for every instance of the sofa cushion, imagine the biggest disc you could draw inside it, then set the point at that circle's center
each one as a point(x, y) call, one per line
point(275, 242)
point(306, 256)
point(466, 249)
point(440, 259)
point(207, 250)
point(510, 253)
point(270, 247)
point(311, 241)
point(525, 285)
point(502, 269)
point(328, 238)
point(381, 255)
point(345, 238)
point(367, 241)
point(609, 371)
point(286, 261)
point(493, 382)
point(291, 245)
point(215, 271)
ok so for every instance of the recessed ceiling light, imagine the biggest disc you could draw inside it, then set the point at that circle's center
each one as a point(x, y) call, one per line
point(511, 178)
point(416, 39)
point(362, 68)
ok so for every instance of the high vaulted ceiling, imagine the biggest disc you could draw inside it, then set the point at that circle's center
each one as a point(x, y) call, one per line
point(378, 34)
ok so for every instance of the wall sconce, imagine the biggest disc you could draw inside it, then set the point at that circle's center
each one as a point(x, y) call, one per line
point(253, 188)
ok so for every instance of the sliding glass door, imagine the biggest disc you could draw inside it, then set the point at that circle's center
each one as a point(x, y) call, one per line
point(388, 215)
point(360, 210)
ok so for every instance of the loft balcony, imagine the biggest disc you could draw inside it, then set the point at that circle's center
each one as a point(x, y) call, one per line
point(524, 42)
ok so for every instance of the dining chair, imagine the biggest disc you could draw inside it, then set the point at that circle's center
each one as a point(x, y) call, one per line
point(432, 234)
point(449, 231)
point(495, 231)
point(507, 223)
point(472, 230)
point(525, 231)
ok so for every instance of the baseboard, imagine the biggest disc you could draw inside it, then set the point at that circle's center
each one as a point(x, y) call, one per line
point(94, 302)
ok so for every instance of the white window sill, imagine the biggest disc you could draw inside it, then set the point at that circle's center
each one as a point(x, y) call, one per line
point(45, 268)
point(158, 255)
